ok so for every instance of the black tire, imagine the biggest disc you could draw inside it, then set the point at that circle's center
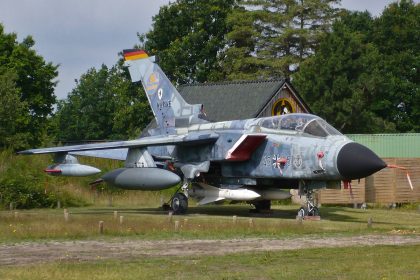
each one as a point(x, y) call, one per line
point(179, 204)
point(301, 213)
point(315, 212)
point(262, 206)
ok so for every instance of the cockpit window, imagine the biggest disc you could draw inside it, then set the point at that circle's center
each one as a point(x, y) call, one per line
point(315, 129)
point(320, 128)
point(305, 123)
point(330, 129)
point(287, 122)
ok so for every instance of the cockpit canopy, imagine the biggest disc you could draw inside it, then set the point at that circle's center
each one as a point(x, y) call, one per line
point(303, 123)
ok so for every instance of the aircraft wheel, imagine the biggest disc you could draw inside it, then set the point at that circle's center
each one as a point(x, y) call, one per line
point(314, 212)
point(262, 206)
point(301, 213)
point(179, 204)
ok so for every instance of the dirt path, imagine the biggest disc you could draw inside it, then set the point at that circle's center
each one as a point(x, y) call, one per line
point(37, 252)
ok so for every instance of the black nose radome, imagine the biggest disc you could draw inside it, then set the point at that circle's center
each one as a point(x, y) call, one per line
point(355, 161)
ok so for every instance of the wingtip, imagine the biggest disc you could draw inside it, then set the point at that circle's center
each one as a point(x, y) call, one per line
point(25, 152)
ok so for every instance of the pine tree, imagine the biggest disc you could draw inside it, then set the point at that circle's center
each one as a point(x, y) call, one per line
point(274, 37)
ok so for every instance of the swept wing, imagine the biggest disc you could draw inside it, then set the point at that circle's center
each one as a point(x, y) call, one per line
point(189, 139)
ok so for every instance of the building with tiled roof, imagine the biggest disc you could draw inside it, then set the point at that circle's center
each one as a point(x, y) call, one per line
point(244, 99)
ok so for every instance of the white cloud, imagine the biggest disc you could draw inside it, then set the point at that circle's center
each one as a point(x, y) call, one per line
point(81, 34)
point(78, 34)
point(375, 7)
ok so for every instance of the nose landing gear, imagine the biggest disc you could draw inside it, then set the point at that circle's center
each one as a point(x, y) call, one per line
point(309, 210)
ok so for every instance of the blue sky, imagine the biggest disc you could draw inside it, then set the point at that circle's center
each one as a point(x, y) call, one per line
point(81, 34)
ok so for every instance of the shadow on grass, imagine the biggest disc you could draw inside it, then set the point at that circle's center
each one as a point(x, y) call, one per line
point(347, 214)
point(328, 213)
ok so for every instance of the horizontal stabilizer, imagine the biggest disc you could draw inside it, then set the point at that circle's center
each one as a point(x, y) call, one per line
point(245, 146)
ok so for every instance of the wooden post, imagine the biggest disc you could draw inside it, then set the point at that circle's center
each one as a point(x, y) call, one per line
point(66, 215)
point(101, 227)
point(95, 195)
point(176, 225)
point(251, 223)
point(11, 206)
point(170, 213)
point(234, 219)
point(121, 220)
point(16, 214)
point(58, 204)
point(115, 215)
point(369, 223)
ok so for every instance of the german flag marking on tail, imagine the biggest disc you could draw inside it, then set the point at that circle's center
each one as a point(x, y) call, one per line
point(134, 54)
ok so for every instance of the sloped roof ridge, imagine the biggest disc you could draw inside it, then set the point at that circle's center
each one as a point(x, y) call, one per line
point(235, 82)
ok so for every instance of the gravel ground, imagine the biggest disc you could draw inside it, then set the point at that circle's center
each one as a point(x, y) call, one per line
point(91, 250)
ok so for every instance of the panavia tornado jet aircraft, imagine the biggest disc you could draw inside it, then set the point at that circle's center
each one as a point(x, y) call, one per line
point(253, 160)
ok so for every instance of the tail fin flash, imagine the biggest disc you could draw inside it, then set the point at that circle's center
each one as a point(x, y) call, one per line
point(168, 106)
point(134, 54)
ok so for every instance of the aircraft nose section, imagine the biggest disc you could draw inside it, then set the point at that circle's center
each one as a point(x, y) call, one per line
point(356, 161)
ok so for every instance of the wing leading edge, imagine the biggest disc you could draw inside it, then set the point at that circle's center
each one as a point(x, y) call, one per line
point(190, 139)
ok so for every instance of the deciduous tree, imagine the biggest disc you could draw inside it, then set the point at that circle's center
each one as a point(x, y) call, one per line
point(365, 76)
point(103, 105)
point(35, 80)
point(187, 36)
point(14, 117)
point(396, 33)
point(343, 82)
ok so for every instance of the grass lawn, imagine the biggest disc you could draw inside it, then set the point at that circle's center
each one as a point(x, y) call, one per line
point(380, 262)
point(214, 222)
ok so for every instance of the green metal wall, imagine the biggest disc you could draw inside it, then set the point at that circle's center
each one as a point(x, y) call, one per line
point(403, 145)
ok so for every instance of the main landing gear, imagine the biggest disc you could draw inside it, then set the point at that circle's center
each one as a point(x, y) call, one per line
point(178, 203)
point(261, 207)
point(309, 209)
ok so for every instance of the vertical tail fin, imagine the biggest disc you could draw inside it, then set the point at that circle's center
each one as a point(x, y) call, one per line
point(168, 106)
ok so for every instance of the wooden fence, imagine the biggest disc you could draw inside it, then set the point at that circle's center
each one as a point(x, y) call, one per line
point(386, 186)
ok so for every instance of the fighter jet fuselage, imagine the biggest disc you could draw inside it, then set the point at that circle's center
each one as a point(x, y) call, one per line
point(274, 151)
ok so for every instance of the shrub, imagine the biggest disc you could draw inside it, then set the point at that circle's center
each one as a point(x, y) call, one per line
point(22, 183)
